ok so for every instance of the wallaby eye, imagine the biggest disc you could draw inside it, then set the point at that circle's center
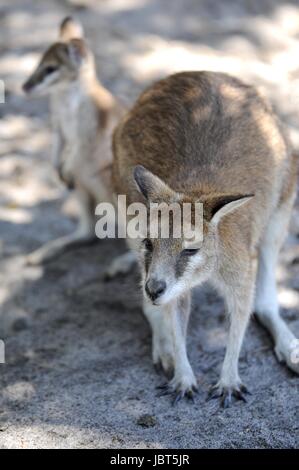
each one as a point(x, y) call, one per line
point(148, 244)
point(189, 251)
point(50, 69)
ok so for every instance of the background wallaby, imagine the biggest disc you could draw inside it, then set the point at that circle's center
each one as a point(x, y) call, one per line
point(83, 116)
point(204, 136)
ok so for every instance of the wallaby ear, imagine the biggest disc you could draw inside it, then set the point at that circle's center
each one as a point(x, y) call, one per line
point(219, 206)
point(70, 29)
point(150, 185)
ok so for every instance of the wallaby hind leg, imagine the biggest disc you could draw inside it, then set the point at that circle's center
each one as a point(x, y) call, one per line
point(266, 302)
point(85, 233)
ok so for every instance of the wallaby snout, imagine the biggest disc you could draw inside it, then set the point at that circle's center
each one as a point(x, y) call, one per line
point(27, 86)
point(155, 288)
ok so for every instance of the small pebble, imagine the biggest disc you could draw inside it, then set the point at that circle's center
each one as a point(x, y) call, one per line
point(147, 421)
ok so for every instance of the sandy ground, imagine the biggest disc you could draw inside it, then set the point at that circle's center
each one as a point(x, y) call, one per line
point(78, 370)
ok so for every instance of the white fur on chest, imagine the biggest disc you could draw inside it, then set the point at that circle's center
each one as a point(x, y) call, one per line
point(65, 106)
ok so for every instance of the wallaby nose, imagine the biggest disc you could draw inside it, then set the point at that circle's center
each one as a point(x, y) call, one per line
point(26, 87)
point(154, 288)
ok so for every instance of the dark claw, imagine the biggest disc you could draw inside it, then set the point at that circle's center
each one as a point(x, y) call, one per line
point(162, 386)
point(214, 396)
point(226, 400)
point(213, 393)
point(165, 389)
point(244, 389)
point(227, 394)
point(190, 396)
point(177, 398)
point(239, 395)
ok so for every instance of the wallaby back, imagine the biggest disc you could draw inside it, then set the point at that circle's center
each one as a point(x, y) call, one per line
point(206, 133)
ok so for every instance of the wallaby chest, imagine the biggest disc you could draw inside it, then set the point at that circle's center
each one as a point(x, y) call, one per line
point(65, 109)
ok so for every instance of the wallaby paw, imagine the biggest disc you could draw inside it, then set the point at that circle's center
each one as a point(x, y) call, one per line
point(289, 354)
point(227, 392)
point(178, 388)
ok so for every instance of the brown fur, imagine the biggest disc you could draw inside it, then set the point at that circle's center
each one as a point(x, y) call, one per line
point(237, 146)
point(210, 138)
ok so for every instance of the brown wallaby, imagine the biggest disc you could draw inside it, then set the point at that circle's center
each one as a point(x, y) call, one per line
point(208, 137)
point(84, 114)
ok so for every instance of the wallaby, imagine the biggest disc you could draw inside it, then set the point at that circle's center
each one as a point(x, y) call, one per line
point(84, 114)
point(207, 137)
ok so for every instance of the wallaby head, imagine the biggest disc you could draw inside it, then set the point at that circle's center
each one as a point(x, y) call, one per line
point(172, 266)
point(63, 62)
